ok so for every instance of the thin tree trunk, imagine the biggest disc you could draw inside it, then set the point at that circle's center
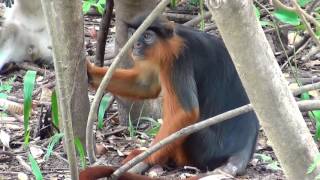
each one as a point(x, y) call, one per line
point(65, 22)
point(125, 11)
point(103, 33)
point(266, 87)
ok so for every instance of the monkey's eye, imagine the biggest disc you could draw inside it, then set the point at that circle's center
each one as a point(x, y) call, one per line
point(149, 36)
point(130, 32)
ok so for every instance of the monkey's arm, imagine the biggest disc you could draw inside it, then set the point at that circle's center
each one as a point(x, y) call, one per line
point(135, 83)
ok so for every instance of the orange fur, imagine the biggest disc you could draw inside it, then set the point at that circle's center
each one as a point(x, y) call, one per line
point(175, 118)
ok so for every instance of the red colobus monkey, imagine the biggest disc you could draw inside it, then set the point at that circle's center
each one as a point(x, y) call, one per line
point(198, 80)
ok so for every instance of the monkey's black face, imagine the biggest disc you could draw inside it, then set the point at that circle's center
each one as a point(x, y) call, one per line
point(145, 41)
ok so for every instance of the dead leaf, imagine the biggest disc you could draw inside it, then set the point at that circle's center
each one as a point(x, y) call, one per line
point(5, 138)
point(311, 64)
point(101, 149)
point(22, 176)
point(36, 152)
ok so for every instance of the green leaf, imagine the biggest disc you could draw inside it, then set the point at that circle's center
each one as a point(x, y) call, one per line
point(314, 164)
point(35, 168)
point(131, 129)
point(300, 27)
point(274, 166)
point(54, 109)
point(318, 32)
point(3, 96)
point(104, 104)
point(303, 3)
point(195, 2)
point(173, 3)
point(315, 115)
point(53, 141)
point(257, 12)
point(80, 150)
point(100, 8)
point(102, 2)
point(155, 126)
point(264, 158)
point(305, 96)
point(286, 16)
point(86, 6)
point(28, 85)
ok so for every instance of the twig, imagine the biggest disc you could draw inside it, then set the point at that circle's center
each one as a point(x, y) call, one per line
point(93, 110)
point(306, 88)
point(115, 131)
point(178, 17)
point(197, 19)
point(309, 105)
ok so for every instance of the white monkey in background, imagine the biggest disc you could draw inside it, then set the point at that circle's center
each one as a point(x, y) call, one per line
point(24, 35)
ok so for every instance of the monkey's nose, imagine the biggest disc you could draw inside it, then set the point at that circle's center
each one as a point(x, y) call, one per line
point(137, 45)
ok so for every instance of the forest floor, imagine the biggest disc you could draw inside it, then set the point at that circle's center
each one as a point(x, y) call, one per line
point(113, 138)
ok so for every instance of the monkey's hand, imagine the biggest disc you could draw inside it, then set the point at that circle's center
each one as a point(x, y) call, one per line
point(8, 3)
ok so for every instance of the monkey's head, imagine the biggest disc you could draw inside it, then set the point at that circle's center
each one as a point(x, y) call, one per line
point(160, 31)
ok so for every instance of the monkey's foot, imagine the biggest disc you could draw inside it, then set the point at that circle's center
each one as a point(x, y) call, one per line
point(132, 155)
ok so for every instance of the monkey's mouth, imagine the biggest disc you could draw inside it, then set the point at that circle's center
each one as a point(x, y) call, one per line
point(136, 55)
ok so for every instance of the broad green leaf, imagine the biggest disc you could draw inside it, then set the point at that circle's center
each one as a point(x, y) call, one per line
point(100, 9)
point(28, 85)
point(80, 150)
point(314, 164)
point(303, 3)
point(104, 104)
point(286, 16)
point(102, 2)
point(54, 109)
point(86, 6)
point(35, 168)
point(53, 141)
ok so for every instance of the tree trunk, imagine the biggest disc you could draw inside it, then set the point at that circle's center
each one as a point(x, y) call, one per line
point(125, 11)
point(67, 31)
point(266, 87)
